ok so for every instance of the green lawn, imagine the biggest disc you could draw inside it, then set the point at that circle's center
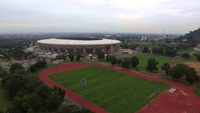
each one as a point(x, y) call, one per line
point(197, 89)
point(113, 91)
point(143, 58)
point(4, 103)
point(190, 51)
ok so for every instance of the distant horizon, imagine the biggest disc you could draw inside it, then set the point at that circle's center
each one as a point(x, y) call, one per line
point(136, 33)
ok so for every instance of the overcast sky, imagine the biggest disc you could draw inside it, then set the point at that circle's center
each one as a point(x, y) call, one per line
point(133, 16)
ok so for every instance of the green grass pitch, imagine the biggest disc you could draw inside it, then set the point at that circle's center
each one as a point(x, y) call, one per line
point(116, 92)
point(197, 89)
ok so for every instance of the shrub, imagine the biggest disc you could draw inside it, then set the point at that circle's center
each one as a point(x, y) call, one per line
point(166, 67)
point(185, 55)
point(178, 71)
point(182, 70)
point(125, 63)
point(134, 61)
point(41, 64)
point(119, 61)
point(100, 55)
point(113, 60)
point(145, 50)
point(71, 56)
point(15, 67)
point(198, 57)
point(152, 64)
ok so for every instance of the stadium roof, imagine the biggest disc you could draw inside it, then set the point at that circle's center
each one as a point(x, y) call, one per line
point(54, 41)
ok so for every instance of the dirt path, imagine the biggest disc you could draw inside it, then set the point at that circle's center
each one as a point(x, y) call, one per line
point(195, 65)
point(182, 100)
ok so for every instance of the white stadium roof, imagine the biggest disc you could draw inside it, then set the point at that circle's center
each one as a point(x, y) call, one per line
point(54, 41)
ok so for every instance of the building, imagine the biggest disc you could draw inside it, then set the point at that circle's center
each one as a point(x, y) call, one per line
point(127, 51)
point(197, 48)
point(107, 46)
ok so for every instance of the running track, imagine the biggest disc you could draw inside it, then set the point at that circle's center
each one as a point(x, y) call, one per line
point(183, 100)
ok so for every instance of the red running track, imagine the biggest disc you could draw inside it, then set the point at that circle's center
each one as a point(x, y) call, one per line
point(183, 100)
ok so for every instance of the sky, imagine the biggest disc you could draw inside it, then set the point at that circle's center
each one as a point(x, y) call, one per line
point(123, 16)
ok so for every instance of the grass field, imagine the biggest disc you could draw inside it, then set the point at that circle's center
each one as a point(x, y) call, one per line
point(4, 103)
point(190, 51)
point(143, 58)
point(113, 91)
point(197, 89)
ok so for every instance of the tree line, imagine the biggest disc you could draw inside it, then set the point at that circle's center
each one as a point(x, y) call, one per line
point(177, 72)
point(169, 51)
point(14, 48)
point(29, 95)
point(162, 50)
point(181, 71)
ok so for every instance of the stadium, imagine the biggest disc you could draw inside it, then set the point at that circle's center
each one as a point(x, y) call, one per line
point(108, 46)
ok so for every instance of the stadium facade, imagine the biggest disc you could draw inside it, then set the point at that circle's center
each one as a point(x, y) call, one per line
point(108, 46)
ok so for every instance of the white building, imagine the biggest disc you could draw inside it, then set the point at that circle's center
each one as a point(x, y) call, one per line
point(108, 46)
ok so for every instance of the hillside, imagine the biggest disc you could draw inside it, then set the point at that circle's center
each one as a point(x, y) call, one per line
point(192, 36)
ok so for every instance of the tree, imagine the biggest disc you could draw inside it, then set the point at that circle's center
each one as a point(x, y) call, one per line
point(152, 64)
point(20, 105)
point(72, 109)
point(166, 67)
point(34, 103)
point(85, 111)
point(71, 56)
point(78, 57)
point(108, 58)
point(41, 64)
point(134, 61)
point(113, 60)
point(157, 50)
point(178, 71)
point(100, 55)
point(67, 109)
point(119, 61)
point(62, 56)
point(169, 51)
point(54, 100)
point(145, 50)
point(182, 70)
point(32, 96)
point(186, 55)
point(3, 73)
point(198, 57)
point(33, 68)
point(38, 65)
point(191, 75)
point(15, 67)
point(125, 63)
point(27, 104)
point(17, 85)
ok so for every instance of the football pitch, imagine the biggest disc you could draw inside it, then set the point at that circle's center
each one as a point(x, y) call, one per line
point(114, 91)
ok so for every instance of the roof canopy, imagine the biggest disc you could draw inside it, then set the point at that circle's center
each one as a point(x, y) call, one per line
point(54, 41)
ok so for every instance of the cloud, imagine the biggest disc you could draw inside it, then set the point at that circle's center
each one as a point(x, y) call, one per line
point(27, 25)
point(128, 17)
point(112, 15)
